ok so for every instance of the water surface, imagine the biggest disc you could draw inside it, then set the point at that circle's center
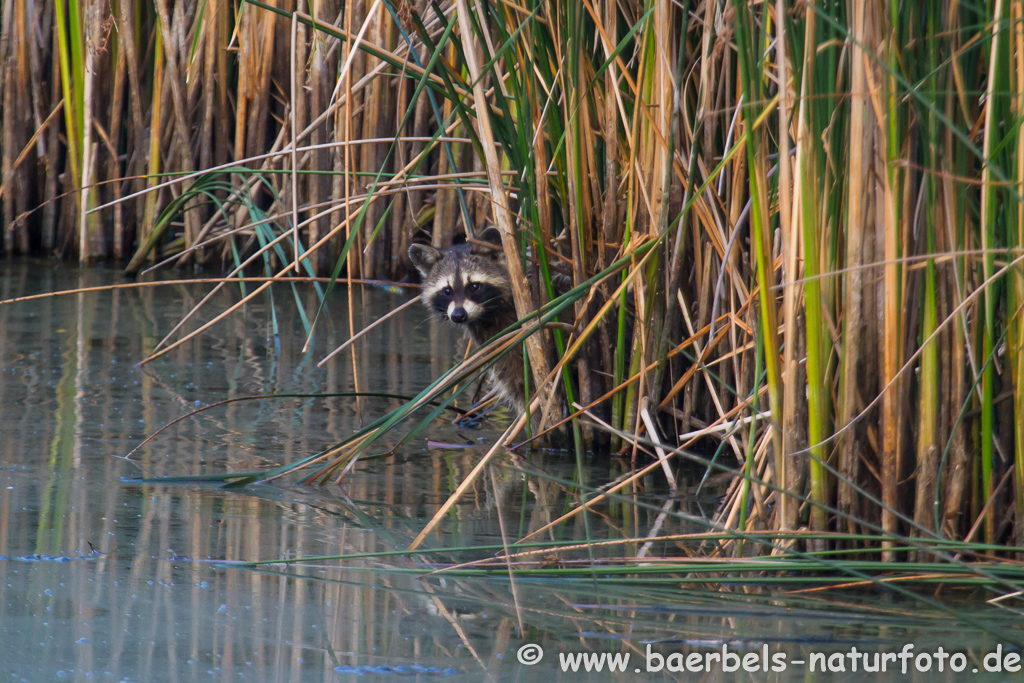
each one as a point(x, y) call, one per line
point(105, 579)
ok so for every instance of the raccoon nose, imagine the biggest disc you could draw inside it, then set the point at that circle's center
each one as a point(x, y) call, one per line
point(458, 315)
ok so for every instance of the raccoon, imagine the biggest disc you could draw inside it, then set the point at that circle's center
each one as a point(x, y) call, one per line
point(469, 285)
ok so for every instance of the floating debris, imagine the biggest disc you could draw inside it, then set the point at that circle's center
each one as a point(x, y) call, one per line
point(51, 558)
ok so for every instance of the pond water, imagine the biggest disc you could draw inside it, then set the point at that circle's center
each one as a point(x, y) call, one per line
point(107, 579)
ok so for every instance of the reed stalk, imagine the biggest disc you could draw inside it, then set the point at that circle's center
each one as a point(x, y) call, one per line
point(793, 229)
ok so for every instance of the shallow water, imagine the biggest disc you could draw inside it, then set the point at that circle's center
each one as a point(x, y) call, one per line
point(106, 579)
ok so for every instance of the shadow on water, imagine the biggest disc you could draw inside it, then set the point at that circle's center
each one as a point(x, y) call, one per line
point(108, 580)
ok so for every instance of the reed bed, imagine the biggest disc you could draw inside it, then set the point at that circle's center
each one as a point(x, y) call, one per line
point(794, 229)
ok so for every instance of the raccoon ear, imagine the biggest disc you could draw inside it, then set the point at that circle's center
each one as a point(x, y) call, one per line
point(424, 256)
point(492, 236)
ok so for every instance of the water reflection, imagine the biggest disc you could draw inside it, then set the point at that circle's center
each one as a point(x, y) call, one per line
point(116, 581)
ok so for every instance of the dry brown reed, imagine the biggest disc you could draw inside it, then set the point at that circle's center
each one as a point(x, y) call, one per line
point(795, 228)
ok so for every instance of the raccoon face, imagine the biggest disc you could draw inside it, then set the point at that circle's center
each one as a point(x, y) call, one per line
point(464, 298)
point(465, 283)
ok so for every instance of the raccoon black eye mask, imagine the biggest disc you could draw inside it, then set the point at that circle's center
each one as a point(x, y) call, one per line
point(463, 303)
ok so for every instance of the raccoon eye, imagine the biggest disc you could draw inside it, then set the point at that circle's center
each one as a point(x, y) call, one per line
point(474, 286)
point(447, 291)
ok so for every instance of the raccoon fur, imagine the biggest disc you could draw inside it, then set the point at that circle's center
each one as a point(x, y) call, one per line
point(469, 285)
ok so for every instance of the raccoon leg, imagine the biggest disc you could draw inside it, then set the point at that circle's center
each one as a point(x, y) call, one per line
point(475, 415)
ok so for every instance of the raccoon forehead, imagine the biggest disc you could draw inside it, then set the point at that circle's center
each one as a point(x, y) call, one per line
point(483, 270)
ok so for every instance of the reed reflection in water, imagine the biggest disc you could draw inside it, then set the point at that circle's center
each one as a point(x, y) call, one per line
point(109, 580)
